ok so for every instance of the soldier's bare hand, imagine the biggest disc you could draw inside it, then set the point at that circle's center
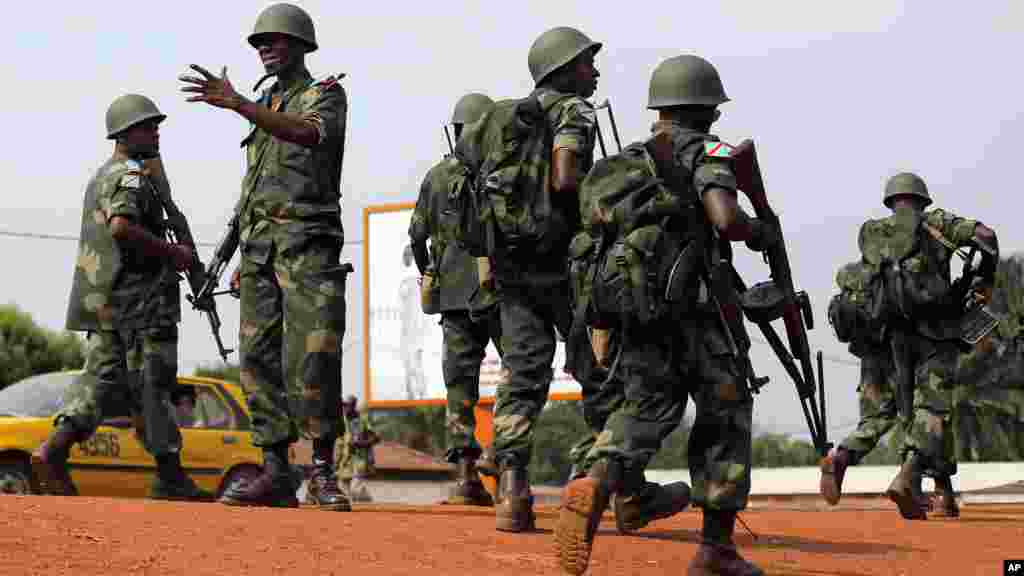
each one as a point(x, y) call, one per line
point(215, 91)
point(236, 282)
point(181, 256)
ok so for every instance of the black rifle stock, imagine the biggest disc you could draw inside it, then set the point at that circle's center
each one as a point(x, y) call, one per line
point(178, 232)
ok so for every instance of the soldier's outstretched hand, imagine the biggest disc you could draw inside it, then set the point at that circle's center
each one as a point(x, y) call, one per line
point(210, 89)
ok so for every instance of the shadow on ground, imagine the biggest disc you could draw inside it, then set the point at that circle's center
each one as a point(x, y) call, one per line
point(792, 543)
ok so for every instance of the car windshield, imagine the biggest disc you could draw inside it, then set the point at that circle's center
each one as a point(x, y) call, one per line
point(37, 396)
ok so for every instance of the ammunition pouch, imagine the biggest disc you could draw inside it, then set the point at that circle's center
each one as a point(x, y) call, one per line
point(638, 277)
point(430, 293)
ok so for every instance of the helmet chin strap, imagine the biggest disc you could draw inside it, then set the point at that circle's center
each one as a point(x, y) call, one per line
point(262, 80)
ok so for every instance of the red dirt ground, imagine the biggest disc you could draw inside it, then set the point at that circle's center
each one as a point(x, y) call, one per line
point(86, 536)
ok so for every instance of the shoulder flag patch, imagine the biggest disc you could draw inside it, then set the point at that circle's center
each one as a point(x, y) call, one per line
point(717, 150)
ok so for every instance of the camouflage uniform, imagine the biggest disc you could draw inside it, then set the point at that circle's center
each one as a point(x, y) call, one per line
point(928, 348)
point(467, 328)
point(878, 406)
point(355, 461)
point(535, 298)
point(130, 305)
point(292, 285)
point(687, 352)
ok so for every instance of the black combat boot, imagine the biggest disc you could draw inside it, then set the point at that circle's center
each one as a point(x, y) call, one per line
point(652, 502)
point(171, 482)
point(717, 555)
point(50, 462)
point(944, 503)
point(468, 489)
point(583, 503)
point(273, 488)
point(833, 469)
point(514, 511)
point(322, 490)
point(905, 489)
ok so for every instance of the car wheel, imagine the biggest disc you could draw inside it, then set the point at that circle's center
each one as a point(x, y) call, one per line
point(14, 479)
point(239, 475)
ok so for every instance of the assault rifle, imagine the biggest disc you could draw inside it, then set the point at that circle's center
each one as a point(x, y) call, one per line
point(448, 137)
point(777, 298)
point(178, 232)
point(204, 298)
point(615, 129)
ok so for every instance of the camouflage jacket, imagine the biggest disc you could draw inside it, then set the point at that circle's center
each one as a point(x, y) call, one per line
point(573, 124)
point(701, 161)
point(453, 268)
point(928, 257)
point(116, 286)
point(290, 192)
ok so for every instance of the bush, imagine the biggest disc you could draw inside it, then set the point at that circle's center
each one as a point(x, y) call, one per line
point(27, 349)
point(226, 372)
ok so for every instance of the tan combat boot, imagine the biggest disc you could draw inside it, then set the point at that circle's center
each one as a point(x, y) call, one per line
point(469, 490)
point(905, 490)
point(652, 502)
point(833, 469)
point(514, 511)
point(583, 503)
point(717, 555)
point(944, 502)
point(718, 560)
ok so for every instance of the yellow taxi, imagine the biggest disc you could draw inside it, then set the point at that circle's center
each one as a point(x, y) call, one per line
point(214, 423)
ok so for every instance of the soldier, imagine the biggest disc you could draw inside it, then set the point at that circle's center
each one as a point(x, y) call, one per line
point(923, 337)
point(686, 350)
point(878, 410)
point(467, 332)
point(356, 462)
point(534, 287)
point(125, 295)
point(292, 284)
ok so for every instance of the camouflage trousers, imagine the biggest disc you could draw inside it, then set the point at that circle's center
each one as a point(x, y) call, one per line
point(529, 316)
point(878, 406)
point(929, 430)
point(465, 344)
point(662, 366)
point(603, 398)
point(292, 325)
point(133, 369)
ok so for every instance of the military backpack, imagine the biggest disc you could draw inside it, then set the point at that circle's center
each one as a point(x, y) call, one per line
point(503, 202)
point(641, 247)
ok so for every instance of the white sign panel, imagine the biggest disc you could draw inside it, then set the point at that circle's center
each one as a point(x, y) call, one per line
point(405, 348)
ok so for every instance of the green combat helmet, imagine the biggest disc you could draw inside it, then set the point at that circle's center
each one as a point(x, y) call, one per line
point(685, 81)
point(556, 48)
point(286, 19)
point(129, 110)
point(470, 107)
point(906, 184)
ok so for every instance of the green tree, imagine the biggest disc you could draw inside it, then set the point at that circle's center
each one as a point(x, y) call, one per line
point(421, 428)
point(558, 429)
point(27, 349)
point(227, 372)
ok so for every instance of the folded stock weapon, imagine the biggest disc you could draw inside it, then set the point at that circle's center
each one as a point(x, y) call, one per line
point(783, 302)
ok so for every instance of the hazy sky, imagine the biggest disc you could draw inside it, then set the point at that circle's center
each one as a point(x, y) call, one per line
point(838, 96)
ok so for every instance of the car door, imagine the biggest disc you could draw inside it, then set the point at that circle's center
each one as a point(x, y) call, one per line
point(112, 462)
point(211, 437)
